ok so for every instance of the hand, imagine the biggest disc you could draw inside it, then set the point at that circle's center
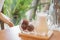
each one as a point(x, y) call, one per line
point(6, 20)
point(10, 24)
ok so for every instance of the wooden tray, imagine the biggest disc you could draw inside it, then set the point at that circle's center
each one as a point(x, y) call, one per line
point(32, 37)
point(25, 36)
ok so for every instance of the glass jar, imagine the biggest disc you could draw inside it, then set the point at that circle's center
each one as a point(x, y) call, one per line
point(41, 23)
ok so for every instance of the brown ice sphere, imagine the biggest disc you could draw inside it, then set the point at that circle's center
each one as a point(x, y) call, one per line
point(25, 22)
point(30, 28)
point(24, 27)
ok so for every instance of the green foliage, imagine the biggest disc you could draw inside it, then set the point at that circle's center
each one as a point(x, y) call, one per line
point(16, 9)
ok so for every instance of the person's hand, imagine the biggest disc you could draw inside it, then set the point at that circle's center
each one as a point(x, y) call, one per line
point(10, 24)
point(9, 21)
point(6, 20)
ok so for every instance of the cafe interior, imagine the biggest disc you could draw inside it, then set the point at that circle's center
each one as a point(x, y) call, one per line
point(29, 20)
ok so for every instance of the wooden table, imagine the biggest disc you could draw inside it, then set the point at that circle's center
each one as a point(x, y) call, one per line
point(55, 36)
point(13, 34)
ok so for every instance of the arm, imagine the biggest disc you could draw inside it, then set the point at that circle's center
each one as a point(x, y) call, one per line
point(5, 20)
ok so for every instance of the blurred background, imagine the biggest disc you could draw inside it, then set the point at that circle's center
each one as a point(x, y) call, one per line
point(20, 9)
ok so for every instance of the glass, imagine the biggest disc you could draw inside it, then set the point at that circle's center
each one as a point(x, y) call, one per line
point(41, 23)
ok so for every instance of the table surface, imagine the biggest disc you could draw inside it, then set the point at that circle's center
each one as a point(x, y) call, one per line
point(13, 34)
